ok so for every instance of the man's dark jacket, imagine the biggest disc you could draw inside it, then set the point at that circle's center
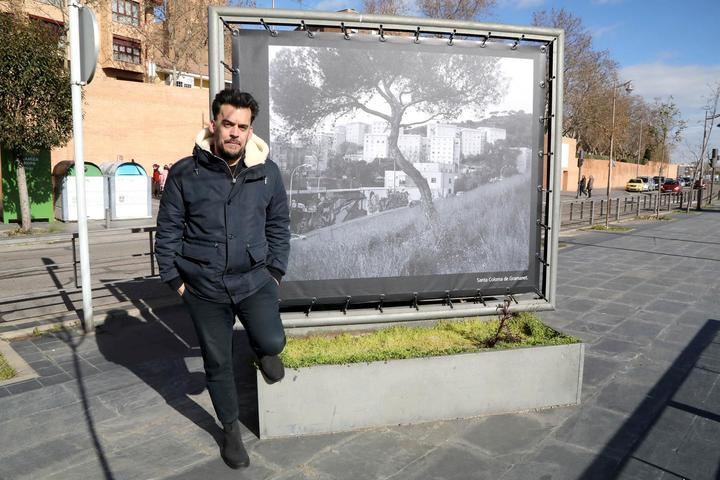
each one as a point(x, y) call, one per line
point(223, 237)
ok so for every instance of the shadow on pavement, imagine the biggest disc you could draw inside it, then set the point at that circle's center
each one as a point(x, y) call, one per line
point(73, 340)
point(663, 434)
point(161, 349)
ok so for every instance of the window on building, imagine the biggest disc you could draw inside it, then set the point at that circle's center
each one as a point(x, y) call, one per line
point(433, 180)
point(126, 11)
point(125, 50)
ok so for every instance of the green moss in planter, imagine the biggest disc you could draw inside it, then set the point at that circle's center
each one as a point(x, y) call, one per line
point(447, 337)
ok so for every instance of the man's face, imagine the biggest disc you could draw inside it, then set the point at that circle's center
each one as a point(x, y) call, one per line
point(231, 131)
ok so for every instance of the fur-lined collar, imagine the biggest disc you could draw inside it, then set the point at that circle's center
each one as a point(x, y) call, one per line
point(256, 150)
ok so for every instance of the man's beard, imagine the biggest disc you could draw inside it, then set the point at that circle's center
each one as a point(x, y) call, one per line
point(229, 157)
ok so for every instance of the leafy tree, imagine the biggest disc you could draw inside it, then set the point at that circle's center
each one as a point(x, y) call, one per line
point(35, 100)
point(310, 86)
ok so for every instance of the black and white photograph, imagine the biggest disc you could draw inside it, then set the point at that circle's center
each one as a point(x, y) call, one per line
point(404, 161)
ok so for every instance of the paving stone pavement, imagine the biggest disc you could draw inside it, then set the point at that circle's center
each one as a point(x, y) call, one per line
point(129, 401)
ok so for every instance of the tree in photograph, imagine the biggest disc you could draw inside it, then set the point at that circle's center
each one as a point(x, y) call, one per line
point(405, 89)
point(35, 100)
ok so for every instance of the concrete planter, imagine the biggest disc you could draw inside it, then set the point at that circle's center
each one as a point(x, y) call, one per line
point(336, 398)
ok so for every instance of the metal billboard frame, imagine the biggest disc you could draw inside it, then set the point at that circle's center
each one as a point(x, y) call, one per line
point(233, 18)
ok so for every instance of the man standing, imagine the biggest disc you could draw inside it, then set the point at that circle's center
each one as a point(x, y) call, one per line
point(223, 242)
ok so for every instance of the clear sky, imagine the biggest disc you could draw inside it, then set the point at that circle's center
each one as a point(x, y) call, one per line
point(666, 47)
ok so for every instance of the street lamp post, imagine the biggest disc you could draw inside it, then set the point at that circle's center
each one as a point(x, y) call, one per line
point(628, 88)
point(706, 138)
point(637, 165)
point(292, 174)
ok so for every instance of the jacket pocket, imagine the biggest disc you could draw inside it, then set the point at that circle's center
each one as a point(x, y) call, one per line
point(257, 253)
point(204, 254)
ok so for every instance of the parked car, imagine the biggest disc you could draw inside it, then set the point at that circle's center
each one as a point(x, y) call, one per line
point(635, 185)
point(685, 181)
point(659, 180)
point(649, 183)
point(671, 186)
point(699, 183)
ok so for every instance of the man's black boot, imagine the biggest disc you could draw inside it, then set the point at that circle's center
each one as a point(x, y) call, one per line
point(272, 368)
point(233, 451)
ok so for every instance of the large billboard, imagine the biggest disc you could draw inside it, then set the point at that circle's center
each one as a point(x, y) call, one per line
point(411, 167)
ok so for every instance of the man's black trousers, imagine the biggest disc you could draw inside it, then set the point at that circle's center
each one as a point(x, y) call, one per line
point(213, 322)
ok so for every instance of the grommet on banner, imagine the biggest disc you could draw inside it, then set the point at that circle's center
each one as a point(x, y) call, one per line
point(312, 303)
point(452, 36)
point(235, 32)
point(517, 42)
point(417, 35)
point(272, 32)
point(305, 28)
point(487, 37)
point(510, 296)
point(382, 34)
point(347, 305)
point(380, 303)
point(544, 48)
point(344, 30)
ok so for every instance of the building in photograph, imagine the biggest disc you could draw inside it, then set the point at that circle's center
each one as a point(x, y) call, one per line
point(375, 145)
point(439, 177)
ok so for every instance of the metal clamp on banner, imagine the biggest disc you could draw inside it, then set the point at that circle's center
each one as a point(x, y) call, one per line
point(344, 30)
point(509, 296)
point(273, 33)
point(347, 305)
point(226, 25)
point(228, 67)
point(312, 303)
point(487, 37)
point(417, 35)
point(305, 28)
point(542, 225)
point(541, 189)
point(479, 298)
point(414, 303)
point(540, 295)
point(452, 36)
point(541, 260)
point(380, 303)
point(382, 34)
point(517, 42)
point(448, 301)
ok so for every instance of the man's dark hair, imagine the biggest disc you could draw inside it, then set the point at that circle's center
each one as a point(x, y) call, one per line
point(237, 99)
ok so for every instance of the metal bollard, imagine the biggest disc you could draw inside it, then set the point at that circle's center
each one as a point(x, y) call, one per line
point(592, 212)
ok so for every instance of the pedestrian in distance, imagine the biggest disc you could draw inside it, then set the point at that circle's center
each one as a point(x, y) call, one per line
point(582, 185)
point(223, 242)
point(590, 183)
point(156, 180)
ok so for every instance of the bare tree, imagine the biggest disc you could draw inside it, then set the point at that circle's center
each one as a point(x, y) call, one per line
point(386, 7)
point(667, 127)
point(456, 9)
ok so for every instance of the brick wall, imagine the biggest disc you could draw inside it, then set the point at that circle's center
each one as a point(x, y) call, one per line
point(141, 121)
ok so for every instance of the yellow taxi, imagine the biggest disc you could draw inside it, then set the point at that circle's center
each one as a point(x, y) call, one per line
point(634, 185)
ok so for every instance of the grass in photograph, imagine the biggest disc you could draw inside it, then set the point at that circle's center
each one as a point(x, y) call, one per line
point(610, 228)
point(6, 370)
point(447, 337)
point(483, 230)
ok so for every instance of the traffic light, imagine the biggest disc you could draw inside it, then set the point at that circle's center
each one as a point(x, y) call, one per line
point(580, 158)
